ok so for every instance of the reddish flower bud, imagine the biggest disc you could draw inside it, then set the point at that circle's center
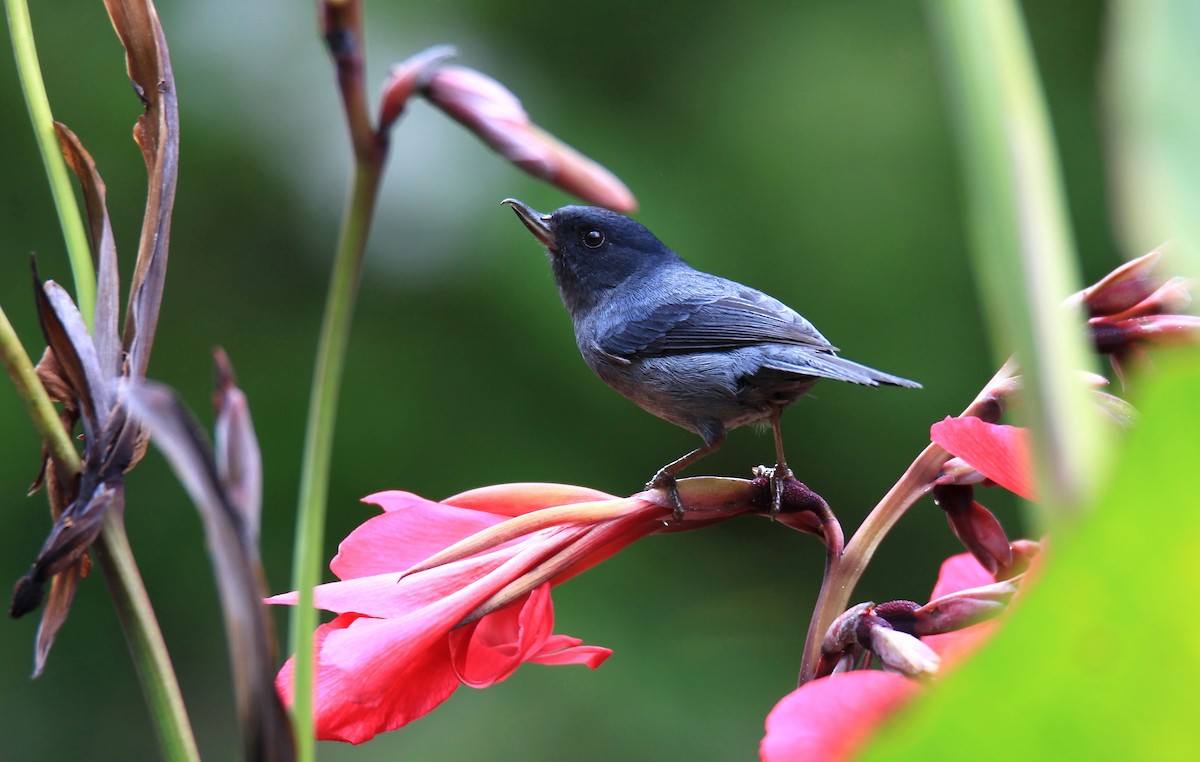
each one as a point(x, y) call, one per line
point(406, 78)
point(1025, 553)
point(962, 609)
point(975, 526)
point(487, 108)
point(1122, 288)
point(1163, 330)
point(1171, 298)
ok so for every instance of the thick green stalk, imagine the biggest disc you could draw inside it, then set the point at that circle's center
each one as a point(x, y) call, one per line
point(116, 561)
point(318, 442)
point(69, 218)
point(1024, 255)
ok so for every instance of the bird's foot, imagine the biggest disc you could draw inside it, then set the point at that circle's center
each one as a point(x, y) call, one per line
point(665, 480)
point(777, 477)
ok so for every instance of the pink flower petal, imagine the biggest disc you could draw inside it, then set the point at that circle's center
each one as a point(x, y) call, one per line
point(830, 718)
point(960, 572)
point(999, 452)
point(410, 530)
point(955, 646)
point(389, 595)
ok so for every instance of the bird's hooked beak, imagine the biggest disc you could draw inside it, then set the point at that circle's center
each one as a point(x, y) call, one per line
point(538, 223)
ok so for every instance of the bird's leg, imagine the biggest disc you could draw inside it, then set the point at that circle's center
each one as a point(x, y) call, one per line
point(781, 473)
point(665, 478)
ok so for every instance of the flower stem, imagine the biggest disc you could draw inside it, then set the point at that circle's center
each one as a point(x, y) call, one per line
point(343, 28)
point(33, 394)
point(843, 570)
point(322, 414)
point(116, 561)
point(38, 105)
point(145, 640)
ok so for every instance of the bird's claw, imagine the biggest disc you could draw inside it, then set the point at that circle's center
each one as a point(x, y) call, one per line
point(776, 477)
point(665, 480)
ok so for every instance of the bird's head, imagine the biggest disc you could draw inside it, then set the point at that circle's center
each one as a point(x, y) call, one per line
point(593, 250)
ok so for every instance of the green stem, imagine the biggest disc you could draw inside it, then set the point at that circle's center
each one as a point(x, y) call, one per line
point(115, 559)
point(69, 218)
point(145, 640)
point(1024, 259)
point(33, 394)
point(322, 413)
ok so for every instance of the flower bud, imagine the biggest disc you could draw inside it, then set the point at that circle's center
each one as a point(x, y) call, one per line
point(962, 609)
point(1162, 330)
point(975, 526)
point(1122, 288)
point(902, 652)
point(408, 77)
point(843, 633)
point(487, 108)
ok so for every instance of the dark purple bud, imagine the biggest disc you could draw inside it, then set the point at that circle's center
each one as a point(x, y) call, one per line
point(962, 609)
point(1117, 338)
point(899, 614)
point(975, 526)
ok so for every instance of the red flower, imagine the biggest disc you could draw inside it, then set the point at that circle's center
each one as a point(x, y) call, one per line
point(1001, 453)
point(396, 649)
point(433, 595)
point(832, 717)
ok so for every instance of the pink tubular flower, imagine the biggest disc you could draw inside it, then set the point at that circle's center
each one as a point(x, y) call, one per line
point(1001, 453)
point(832, 718)
point(393, 652)
point(434, 595)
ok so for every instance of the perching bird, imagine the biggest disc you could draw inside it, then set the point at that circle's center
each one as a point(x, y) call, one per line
point(700, 351)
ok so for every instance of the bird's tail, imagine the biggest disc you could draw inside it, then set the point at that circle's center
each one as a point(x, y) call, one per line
point(829, 365)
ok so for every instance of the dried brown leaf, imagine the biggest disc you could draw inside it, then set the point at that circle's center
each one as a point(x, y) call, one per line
point(157, 134)
point(103, 247)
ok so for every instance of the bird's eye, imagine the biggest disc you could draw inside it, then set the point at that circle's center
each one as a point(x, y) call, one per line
point(593, 238)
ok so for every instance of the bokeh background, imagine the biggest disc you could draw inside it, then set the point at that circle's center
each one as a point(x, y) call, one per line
point(802, 148)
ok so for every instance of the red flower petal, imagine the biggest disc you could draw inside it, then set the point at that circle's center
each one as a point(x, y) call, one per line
point(488, 651)
point(353, 707)
point(378, 673)
point(830, 718)
point(563, 649)
point(999, 452)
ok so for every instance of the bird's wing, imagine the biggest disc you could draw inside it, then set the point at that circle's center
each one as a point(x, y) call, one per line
point(711, 323)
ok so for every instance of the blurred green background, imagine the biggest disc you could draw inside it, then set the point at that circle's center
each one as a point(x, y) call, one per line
point(802, 149)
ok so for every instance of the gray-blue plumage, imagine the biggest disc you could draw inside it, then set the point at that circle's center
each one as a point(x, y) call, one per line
point(698, 350)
